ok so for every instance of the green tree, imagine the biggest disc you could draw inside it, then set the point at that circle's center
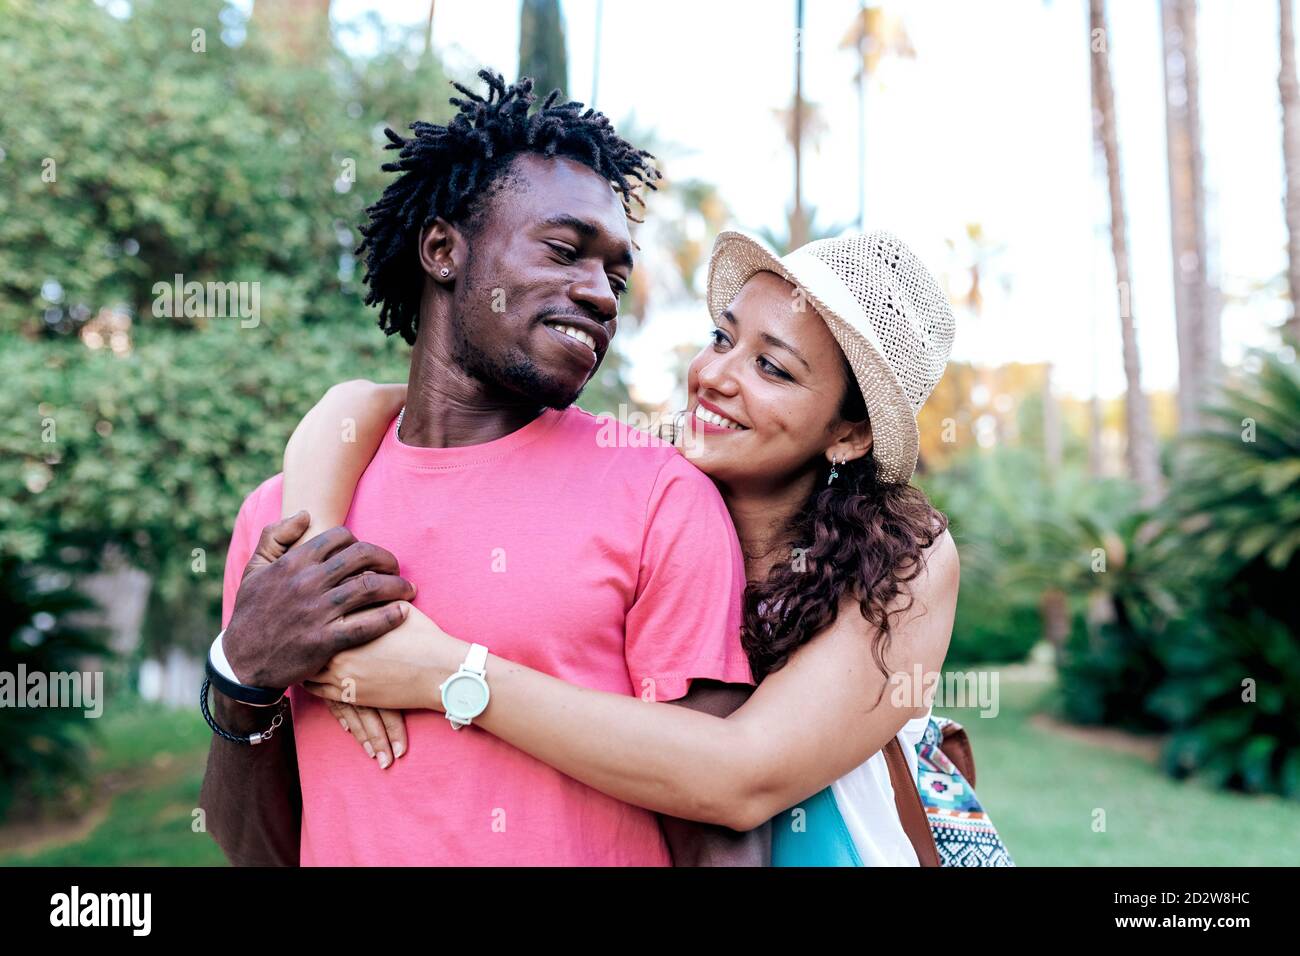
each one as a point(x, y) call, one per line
point(132, 148)
point(541, 45)
point(141, 148)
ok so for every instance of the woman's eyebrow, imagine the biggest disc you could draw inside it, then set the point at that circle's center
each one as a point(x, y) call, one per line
point(770, 339)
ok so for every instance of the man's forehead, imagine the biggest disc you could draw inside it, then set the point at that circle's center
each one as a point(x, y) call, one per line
point(561, 191)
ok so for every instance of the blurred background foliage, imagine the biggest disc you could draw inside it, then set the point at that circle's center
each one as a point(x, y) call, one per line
point(41, 749)
point(1175, 615)
point(135, 434)
point(226, 164)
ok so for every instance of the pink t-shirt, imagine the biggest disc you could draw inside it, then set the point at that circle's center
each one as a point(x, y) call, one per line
point(559, 547)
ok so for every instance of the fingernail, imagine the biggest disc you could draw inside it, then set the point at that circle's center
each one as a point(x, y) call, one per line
point(343, 723)
point(384, 760)
point(399, 748)
point(370, 751)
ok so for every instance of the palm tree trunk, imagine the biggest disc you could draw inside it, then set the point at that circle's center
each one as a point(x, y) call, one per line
point(542, 53)
point(862, 117)
point(1290, 93)
point(1052, 443)
point(798, 228)
point(1054, 608)
point(595, 53)
point(1194, 303)
point(1096, 467)
point(1143, 464)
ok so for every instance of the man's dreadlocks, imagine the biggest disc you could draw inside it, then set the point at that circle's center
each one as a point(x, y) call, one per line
point(449, 171)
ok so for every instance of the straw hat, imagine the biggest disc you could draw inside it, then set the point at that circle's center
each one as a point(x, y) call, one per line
point(885, 310)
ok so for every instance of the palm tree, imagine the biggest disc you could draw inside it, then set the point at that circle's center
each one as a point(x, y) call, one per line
point(1195, 313)
point(977, 249)
point(804, 126)
point(1290, 92)
point(1143, 464)
point(595, 54)
point(541, 45)
point(798, 226)
point(1054, 605)
point(875, 34)
point(784, 243)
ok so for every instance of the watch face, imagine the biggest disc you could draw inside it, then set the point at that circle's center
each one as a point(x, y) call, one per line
point(465, 696)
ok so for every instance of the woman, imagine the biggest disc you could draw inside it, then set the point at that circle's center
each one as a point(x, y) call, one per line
point(802, 411)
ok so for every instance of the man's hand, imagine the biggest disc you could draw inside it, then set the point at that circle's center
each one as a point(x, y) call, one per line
point(295, 611)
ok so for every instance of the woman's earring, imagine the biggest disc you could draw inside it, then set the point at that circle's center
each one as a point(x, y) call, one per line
point(445, 272)
point(835, 461)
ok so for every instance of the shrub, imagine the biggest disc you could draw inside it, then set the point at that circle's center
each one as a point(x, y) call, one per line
point(42, 752)
point(1112, 662)
point(154, 451)
point(1233, 694)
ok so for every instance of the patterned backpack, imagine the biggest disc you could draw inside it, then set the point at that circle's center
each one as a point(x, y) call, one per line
point(939, 810)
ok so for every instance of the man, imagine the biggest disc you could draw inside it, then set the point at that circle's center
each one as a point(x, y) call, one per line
point(499, 254)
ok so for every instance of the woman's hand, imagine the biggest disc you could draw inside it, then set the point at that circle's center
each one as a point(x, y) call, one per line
point(381, 732)
point(400, 671)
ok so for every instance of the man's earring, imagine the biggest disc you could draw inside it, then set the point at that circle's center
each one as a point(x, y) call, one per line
point(445, 272)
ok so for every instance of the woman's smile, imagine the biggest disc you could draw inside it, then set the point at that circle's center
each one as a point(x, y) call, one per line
point(711, 419)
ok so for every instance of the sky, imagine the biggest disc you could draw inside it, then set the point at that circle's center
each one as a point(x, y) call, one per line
point(989, 123)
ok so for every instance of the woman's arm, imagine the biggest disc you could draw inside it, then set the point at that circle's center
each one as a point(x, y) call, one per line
point(323, 461)
point(804, 727)
point(331, 447)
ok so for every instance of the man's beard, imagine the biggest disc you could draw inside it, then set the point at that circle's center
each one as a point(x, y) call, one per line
point(520, 374)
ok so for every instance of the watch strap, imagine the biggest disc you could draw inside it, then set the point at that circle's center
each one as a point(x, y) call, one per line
point(475, 663)
point(476, 660)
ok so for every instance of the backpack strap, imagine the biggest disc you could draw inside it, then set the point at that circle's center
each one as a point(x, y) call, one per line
point(956, 747)
point(916, 823)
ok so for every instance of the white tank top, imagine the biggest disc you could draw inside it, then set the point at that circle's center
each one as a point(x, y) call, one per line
point(865, 799)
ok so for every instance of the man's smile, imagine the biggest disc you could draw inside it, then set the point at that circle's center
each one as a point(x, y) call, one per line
point(580, 337)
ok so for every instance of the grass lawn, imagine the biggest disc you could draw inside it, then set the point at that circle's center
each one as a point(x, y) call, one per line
point(1042, 790)
point(158, 755)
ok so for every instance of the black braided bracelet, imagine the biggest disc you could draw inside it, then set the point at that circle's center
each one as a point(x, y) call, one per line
point(220, 731)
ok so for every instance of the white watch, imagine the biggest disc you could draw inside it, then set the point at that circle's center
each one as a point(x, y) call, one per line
point(465, 693)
